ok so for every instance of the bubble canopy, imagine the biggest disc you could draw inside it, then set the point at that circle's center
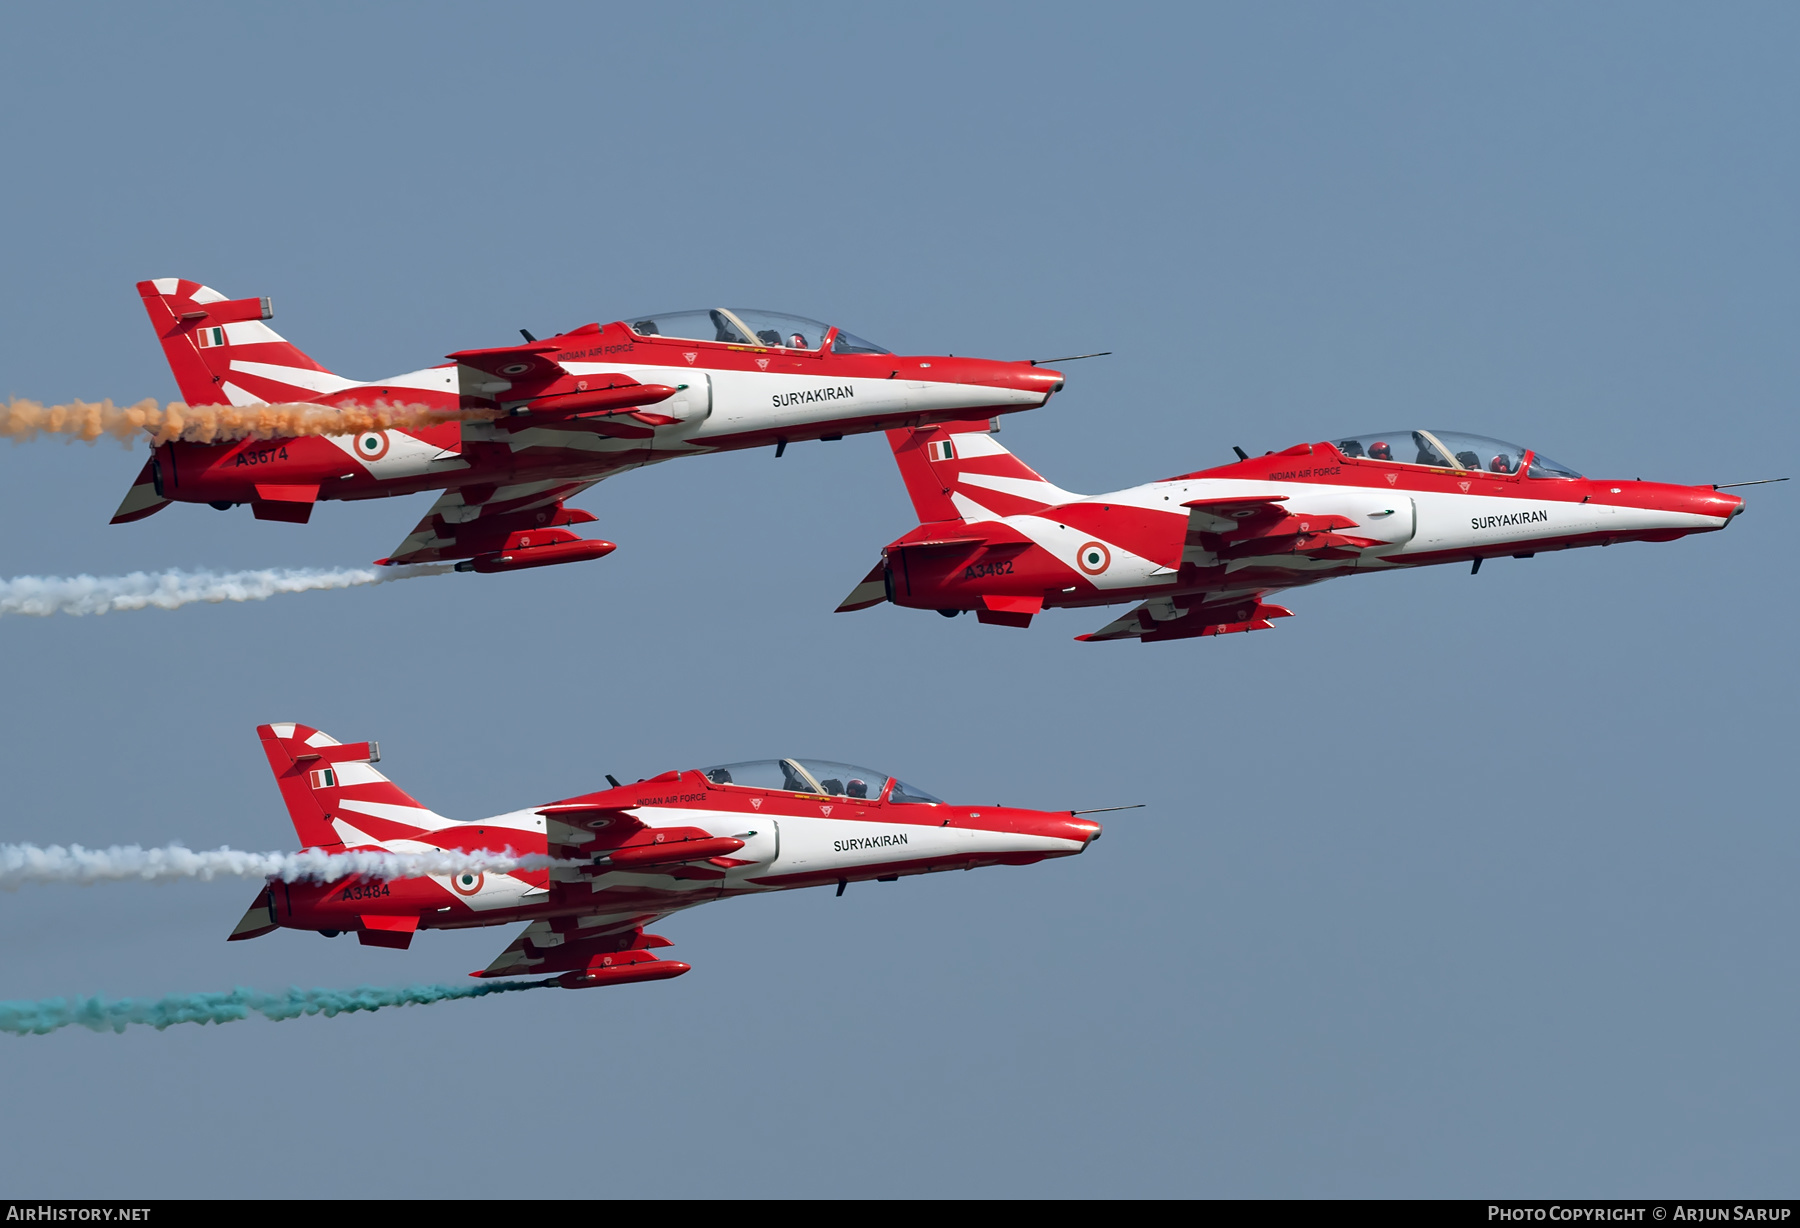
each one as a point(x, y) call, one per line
point(751, 326)
point(820, 776)
point(1448, 450)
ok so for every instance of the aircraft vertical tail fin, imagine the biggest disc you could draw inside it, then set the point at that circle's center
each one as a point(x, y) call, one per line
point(957, 474)
point(960, 471)
point(223, 354)
point(335, 797)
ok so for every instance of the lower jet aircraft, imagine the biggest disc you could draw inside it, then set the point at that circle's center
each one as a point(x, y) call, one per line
point(638, 853)
point(571, 410)
point(1202, 552)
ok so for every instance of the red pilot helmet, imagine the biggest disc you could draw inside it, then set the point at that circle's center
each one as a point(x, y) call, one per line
point(1380, 451)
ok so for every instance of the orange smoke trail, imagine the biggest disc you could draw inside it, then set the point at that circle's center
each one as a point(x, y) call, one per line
point(21, 421)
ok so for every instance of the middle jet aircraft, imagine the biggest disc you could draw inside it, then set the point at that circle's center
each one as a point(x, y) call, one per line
point(569, 410)
point(628, 855)
point(1202, 552)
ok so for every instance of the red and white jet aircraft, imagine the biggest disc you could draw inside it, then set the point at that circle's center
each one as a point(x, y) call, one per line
point(1201, 552)
point(644, 851)
point(575, 408)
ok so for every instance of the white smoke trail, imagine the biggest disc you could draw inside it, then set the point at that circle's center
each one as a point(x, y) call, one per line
point(42, 596)
point(22, 864)
point(100, 1015)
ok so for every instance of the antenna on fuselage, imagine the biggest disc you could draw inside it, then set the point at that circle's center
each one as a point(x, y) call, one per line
point(1729, 485)
point(1105, 809)
point(523, 333)
point(1242, 455)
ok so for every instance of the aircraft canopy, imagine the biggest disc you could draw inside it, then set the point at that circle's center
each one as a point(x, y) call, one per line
point(1449, 450)
point(821, 776)
point(750, 326)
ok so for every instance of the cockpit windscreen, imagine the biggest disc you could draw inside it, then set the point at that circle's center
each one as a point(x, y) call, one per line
point(750, 326)
point(1448, 450)
point(824, 777)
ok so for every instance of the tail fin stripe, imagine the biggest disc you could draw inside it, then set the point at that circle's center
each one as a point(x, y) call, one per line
point(295, 377)
point(396, 812)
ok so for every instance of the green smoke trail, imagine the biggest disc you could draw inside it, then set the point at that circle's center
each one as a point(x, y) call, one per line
point(99, 1015)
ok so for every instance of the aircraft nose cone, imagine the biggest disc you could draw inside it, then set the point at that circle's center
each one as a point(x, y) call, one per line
point(1090, 830)
point(1709, 502)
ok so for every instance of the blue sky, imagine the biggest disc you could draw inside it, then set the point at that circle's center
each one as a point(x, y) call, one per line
point(1448, 886)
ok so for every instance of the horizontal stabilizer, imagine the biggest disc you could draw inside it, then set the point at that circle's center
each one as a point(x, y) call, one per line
point(142, 499)
point(258, 919)
point(871, 590)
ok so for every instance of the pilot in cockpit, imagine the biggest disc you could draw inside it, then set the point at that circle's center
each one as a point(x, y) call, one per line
point(798, 342)
point(1379, 450)
point(1502, 463)
point(856, 788)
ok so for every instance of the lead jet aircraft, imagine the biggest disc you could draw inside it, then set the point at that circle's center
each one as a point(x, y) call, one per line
point(570, 410)
point(633, 853)
point(1202, 552)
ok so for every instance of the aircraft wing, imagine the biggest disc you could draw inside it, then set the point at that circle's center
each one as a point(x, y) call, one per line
point(1234, 515)
point(1164, 618)
point(1209, 520)
point(529, 363)
point(1222, 529)
point(457, 529)
point(565, 944)
point(584, 950)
